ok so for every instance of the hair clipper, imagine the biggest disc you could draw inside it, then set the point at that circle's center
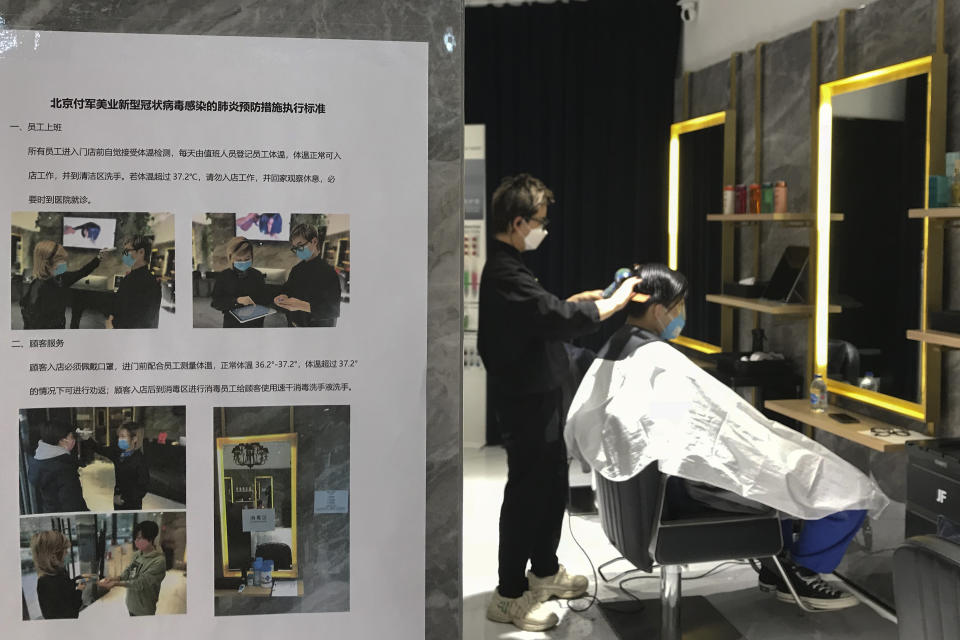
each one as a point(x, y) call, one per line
point(622, 274)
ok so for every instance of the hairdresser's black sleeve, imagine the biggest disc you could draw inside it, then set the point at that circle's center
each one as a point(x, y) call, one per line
point(70, 278)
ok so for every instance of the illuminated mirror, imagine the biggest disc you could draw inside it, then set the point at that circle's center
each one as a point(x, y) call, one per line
point(874, 163)
point(258, 488)
point(702, 161)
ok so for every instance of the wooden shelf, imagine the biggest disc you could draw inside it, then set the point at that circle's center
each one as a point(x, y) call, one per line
point(770, 217)
point(941, 213)
point(255, 592)
point(800, 410)
point(767, 306)
point(941, 338)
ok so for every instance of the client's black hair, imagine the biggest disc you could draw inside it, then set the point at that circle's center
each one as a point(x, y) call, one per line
point(54, 432)
point(664, 286)
point(147, 529)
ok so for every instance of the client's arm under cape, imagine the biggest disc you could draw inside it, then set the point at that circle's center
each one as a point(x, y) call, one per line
point(654, 405)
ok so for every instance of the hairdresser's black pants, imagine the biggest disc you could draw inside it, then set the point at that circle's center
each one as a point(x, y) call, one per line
point(535, 497)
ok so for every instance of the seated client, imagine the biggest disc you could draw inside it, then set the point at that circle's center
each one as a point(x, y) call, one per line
point(643, 402)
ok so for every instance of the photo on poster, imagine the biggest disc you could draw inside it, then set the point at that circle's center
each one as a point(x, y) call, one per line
point(76, 459)
point(92, 271)
point(103, 567)
point(89, 233)
point(281, 519)
point(263, 226)
point(242, 280)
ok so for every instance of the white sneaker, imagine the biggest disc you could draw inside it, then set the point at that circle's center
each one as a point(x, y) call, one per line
point(525, 612)
point(559, 585)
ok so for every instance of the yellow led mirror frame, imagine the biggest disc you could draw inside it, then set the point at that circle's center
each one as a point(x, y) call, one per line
point(934, 67)
point(727, 120)
point(227, 489)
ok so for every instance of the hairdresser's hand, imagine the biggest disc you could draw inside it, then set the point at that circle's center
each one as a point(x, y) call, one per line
point(623, 295)
point(584, 296)
point(280, 300)
point(245, 301)
point(294, 304)
point(107, 584)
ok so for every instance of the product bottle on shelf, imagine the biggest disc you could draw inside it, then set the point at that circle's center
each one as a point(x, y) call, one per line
point(955, 185)
point(818, 394)
point(780, 197)
point(267, 580)
point(755, 198)
point(767, 197)
point(258, 572)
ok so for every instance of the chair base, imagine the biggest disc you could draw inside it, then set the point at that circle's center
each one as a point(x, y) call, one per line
point(582, 500)
point(699, 620)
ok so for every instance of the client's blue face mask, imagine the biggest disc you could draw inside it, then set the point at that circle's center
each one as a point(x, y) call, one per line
point(243, 265)
point(123, 444)
point(60, 269)
point(128, 259)
point(304, 253)
point(675, 326)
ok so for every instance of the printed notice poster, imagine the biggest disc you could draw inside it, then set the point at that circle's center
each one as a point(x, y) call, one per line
point(192, 355)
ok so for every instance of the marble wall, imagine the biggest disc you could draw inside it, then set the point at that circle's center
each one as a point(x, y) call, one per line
point(884, 32)
point(323, 463)
point(881, 33)
point(710, 89)
point(411, 20)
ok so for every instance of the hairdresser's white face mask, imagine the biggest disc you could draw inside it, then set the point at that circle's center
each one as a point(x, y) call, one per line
point(533, 239)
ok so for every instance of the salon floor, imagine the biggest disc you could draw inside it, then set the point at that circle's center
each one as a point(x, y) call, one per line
point(112, 604)
point(207, 317)
point(89, 320)
point(97, 480)
point(732, 589)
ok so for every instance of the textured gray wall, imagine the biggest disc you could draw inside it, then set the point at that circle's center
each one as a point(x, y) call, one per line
point(884, 32)
point(410, 20)
point(323, 463)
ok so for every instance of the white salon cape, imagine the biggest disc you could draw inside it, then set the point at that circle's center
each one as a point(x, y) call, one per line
point(642, 401)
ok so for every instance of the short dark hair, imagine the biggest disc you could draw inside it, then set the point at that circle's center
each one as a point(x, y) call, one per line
point(147, 529)
point(142, 242)
point(664, 286)
point(520, 195)
point(308, 232)
point(53, 432)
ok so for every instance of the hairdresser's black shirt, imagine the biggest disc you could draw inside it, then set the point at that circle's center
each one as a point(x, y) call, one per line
point(131, 474)
point(137, 301)
point(58, 597)
point(232, 284)
point(523, 326)
point(316, 282)
point(44, 305)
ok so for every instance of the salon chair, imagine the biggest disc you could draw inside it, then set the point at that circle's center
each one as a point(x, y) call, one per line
point(637, 519)
point(926, 585)
point(278, 552)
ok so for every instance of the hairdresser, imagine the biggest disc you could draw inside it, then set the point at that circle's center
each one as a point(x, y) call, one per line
point(44, 304)
point(521, 340)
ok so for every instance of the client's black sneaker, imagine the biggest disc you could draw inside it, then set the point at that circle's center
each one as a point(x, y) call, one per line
point(813, 590)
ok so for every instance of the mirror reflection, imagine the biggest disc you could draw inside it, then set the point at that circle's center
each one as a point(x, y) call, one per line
point(699, 242)
point(258, 479)
point(876, 253)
